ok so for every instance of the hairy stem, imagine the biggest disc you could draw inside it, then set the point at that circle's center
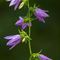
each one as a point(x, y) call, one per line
point(29, 29)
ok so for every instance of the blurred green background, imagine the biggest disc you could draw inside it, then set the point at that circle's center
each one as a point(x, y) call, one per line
point(44, 36)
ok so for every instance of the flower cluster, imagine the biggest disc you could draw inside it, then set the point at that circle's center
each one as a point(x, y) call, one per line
point(23, 23)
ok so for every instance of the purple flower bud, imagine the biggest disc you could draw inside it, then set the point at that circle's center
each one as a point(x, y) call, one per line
point(41, 14)
point(22, 24)
point(43, 57)
point(20, 21)
point(15, 3)
point(13, 40)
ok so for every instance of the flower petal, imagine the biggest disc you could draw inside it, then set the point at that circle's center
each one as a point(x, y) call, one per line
point(13, 2)
point(14, 39)
point(17, 4)
point(24, 25)
point(29, 24)
point(17, 42)
point(8, 37)
point(40, 14)
point(43, 57)
point(20, 21)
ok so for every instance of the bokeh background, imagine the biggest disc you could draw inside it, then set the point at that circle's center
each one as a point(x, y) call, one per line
point(44, 36)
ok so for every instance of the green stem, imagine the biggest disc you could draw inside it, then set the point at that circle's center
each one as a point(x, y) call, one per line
point(29, 29)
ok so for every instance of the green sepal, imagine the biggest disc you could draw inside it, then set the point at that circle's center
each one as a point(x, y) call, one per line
point(35, 56)
point(26, 19)
point(24, 36)
point(26, 39)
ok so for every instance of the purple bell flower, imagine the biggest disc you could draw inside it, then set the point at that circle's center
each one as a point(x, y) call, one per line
point(41, 14)
point(13, 40)
point(22, 24)
point(15, 3)
point(43, 57)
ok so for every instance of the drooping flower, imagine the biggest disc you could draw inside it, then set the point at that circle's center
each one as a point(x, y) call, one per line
point(15, 3)
point(13, 40)
point(22, 23)
point(41, 14)
point(43, 57)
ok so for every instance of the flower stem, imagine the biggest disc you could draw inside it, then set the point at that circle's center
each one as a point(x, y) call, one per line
point(29, 29)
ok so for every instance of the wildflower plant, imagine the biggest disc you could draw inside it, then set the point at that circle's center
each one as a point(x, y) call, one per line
point(26, 22)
